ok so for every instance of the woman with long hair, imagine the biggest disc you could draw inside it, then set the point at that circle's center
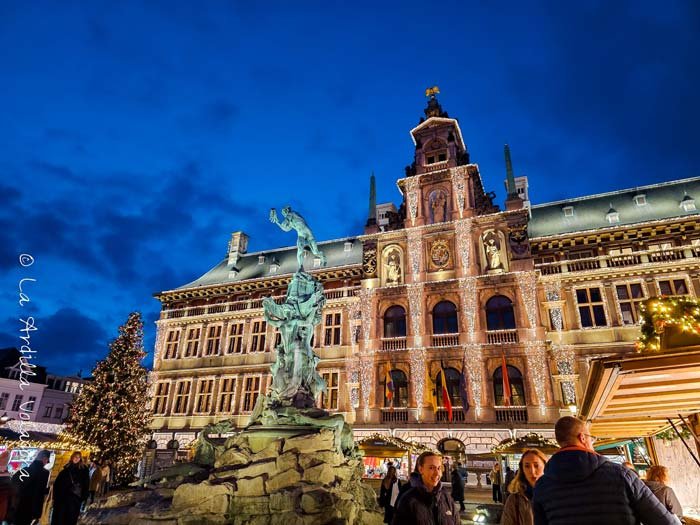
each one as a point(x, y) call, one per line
point(388, 493)
point(70, 490)
point(518, 507)
point(657, 481)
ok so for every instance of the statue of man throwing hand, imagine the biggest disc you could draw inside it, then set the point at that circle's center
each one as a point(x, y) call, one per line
point(305, 239)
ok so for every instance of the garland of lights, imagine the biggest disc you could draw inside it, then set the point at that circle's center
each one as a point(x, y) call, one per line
point(468, 290)
point(366, 313)
point(412, 197)
point(410, 446)
point(415, 304)
point(527, 281)
point(458, 188)
point(682, 313)
point(474, 364)
point(366, 380)
point(414, 252)
point(532, 439)
point(536, 353)
point(463, 230)
point(417, 360)
point(564, 358)
point(352, 367)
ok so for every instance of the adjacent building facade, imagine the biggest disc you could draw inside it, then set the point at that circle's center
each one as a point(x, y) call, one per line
point(445, 284)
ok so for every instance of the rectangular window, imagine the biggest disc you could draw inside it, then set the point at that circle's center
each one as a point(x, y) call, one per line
point(205, 391)
point(258, 342)
point(590, 307)
point(4, 398)
point(213, 340)
point(58, 414)
point(630, 297)
point(30, 404)
point(673, 287)
point(16, 403)
point(182, 397)
point(251, 391)
point(332, 332)
point(581, 254)
point(235, 338)
point(192, 344)
point(329, 398)
point(160, 400)
point(47, 410)
point(171, 342)
point(227, 392)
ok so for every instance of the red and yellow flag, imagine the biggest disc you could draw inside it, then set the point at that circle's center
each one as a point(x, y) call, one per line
point(389, 386)
point(446, 401)
point(506, 381)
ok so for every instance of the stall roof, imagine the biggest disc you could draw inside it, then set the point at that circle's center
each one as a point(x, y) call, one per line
point(636, 396)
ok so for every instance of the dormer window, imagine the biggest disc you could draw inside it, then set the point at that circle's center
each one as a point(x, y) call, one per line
point(640, 199)
point(274, 266)
point(568, 211)
point(688, 203)
point(261, 259)
point(348, 244)
point(612, 216)
point(317, 262)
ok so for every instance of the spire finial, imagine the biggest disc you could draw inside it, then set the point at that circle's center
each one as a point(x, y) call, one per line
point(510, 179)
point(434, 108)
point(372, 197)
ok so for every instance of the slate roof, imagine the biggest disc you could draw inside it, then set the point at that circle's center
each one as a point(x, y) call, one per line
point(249, 268)
point(662, 202)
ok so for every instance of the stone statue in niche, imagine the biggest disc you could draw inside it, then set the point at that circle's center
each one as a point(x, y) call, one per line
point(438, 206)
point(494, 256)
point(393, 272)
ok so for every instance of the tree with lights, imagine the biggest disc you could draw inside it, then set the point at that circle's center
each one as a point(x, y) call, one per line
point(111, 412)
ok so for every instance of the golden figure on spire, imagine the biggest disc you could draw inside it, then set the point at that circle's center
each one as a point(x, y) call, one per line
point(432, 91)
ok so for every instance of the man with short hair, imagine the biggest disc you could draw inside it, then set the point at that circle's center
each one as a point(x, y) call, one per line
point(580, 486)
point(33, 485)
point(426, 502)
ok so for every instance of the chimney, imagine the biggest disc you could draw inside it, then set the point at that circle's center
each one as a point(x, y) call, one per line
point(237, 246)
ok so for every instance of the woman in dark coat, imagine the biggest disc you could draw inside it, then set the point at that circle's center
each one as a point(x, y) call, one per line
point(389, 493)
point(657, 481)
point(457, 487)
point(70, 490)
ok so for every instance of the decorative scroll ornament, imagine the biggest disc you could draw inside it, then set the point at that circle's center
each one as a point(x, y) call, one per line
point(417, 359)
point(463, 231)
point(468, 291)
point(415, 304)
point(412, 184)
point(474, 363)
point(537, 364)
point(366, 314)
point(414, 252)
point(527, 281)
point(458, 186)
point(369, 259)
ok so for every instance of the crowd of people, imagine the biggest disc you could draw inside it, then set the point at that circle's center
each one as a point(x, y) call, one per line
point(23, 495)
point(576, 485)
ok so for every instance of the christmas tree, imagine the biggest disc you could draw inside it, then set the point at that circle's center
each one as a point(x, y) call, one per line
point(111, 412)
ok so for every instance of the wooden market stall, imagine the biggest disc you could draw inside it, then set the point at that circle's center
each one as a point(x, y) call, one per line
point(380, 449)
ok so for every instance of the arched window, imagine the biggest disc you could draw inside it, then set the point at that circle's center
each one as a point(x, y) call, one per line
point(517, 389)
point(398, 377)
point(452, 376)
point(445, 318)
point(395, 321)
point(499, 313)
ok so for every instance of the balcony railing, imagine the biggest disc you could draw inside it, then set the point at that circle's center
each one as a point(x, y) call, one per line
point(394, 343)
point(499, 337)
point(458, 415)
point(246, 304)
point(619, 260)
point(443, 340)
point(394, 415)
point(517, 414)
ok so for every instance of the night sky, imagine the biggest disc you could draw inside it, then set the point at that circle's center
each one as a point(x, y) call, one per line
point(136, 136)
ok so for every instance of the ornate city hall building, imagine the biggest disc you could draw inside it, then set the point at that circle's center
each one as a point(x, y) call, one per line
point(449, 284)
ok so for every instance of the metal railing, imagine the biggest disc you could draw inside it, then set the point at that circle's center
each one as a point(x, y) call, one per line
point(394, 415)
point(516, 414)
point(498, 337)
point(458, 415)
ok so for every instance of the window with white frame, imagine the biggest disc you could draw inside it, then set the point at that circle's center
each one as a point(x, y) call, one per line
point(205, 392)
point(332, 329)
point(213, 340)
point(630, 297)
point(677, 286)
point(182, 397)
point(171, 343)
point(227, 394)
point(590, 307)
point(235, 338)
point(329, 398)
point(192, 344)
point(160, 399)
point(257, 343)
point(251, 391)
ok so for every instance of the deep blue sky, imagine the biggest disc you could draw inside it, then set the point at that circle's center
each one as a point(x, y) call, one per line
point(137, 135)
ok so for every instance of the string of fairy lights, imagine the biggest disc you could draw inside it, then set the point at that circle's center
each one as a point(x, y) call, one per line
point(527, 282)
point(463, 230)
point(656, 315)
point(458, 187)
point(412, 185)
point(414, 252)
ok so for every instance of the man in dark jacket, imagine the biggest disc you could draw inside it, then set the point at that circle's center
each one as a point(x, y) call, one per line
point(581, 487)
point(457, 487)
point(32, 489)
point(427, 503)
